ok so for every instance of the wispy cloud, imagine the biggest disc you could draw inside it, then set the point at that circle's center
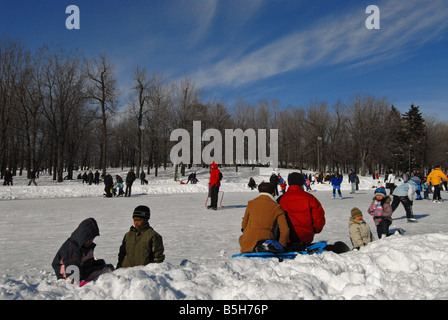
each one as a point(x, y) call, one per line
point(339, 39)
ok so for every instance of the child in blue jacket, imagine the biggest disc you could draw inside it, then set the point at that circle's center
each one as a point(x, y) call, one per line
point(336, 181)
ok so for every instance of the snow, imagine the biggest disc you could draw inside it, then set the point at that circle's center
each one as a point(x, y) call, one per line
point(199, 243)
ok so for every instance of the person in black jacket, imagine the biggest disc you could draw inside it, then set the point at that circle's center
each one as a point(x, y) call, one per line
point(75, 260)
point(108, 185)
point(130, 178)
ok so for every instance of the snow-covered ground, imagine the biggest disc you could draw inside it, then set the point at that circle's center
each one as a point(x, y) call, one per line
point(199, 243)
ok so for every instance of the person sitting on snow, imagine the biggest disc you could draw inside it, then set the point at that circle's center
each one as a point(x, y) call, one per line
point(77, 252)
point(304, 213)
point(141, 244)
point(359, 230)
point(263, 214)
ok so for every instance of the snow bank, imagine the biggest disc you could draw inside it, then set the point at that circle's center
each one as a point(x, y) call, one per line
point(395, 268)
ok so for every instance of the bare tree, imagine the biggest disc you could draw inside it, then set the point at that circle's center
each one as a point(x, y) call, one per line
point(103, 92)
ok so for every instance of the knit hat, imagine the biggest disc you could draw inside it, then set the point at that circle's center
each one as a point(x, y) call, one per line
point(380, 192)
point(296, 179)
point(141, 212)
point(356, 212)
point(416, 179)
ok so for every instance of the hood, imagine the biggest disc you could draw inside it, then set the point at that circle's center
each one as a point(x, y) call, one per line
point(87, 230)
point(213, 165)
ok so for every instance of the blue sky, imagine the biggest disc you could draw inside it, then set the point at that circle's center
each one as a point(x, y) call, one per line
point(291, 50)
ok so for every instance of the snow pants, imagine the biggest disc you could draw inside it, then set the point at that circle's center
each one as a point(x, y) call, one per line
point(407, 204)
point(214, 191)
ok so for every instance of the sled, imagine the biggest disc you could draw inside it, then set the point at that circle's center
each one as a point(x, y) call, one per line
point(317, 247)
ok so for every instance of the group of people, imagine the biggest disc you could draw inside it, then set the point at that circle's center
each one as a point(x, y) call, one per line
point(296, 216)
point(112, 188)
point(75, 261)
point(292, 219)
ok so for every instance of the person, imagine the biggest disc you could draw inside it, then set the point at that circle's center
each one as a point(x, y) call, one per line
point(32, 178)
point(274, 180)
point(405, 195)
point(90, 177)
point(108, 185)
point(141, 245)
point(435, 178)
point(352, 180)
point(336, 181)
point(96, 179)
point(192, 178)
point(381, 211)
point(262, 217)
point(143, 178)
point(130, 178)
point(252, 185)
point(7, 178)
point(78, 251)
point(390, 182)
point(214, 184)
point(283, 186)
point(304, 213)
point(359, 231)
point(118, 185)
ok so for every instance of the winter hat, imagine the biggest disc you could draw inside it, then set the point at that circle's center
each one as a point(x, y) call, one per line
point(416, 179)
point(356, 212)
point(141, 212)
point(380, 192)
point(296, 179)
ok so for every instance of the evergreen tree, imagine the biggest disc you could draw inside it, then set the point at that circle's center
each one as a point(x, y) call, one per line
point(415, 137)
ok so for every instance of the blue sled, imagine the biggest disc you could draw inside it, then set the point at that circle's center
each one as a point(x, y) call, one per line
point(317, 247)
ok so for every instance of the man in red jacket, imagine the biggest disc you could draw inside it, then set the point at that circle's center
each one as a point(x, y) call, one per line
point(304, 213)
point(214, 184)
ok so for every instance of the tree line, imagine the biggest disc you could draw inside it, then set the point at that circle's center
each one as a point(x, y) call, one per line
point(61, 111)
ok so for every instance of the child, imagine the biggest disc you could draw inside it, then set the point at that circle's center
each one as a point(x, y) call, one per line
point(405, 195)
point(141, 245)
point(77, 251)
point(336, 181)
point(359, 230)
point(283, 186)
point(381, 211)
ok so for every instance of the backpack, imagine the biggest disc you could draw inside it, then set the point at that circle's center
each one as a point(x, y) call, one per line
point(220, 176)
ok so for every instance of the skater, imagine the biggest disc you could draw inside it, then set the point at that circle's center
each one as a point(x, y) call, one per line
point(390, 182)
point(352, 179)
point(78, 252)
point(130, 178)
point(359, 230)
point(263, 215)
point(304, 213)
point(141, 244)
point(435, 178)
point(252, 185)
point(381, 211)
point(214, 184)
point(336, 181)
point(405, 195)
